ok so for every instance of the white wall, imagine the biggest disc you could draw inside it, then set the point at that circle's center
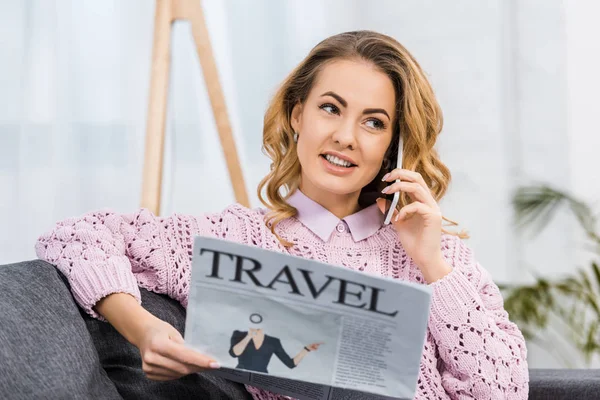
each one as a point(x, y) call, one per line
point(582, 31)
point(583, 85)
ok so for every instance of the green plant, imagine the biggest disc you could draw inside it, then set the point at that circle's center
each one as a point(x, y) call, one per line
point(574, 299)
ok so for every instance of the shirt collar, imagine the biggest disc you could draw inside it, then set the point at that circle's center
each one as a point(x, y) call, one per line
point(322, 222)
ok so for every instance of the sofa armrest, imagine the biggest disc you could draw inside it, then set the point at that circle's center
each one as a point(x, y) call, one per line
point(46, 351)
point(567, 384)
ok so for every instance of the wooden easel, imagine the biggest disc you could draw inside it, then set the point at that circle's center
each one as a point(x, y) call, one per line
point(168, 11)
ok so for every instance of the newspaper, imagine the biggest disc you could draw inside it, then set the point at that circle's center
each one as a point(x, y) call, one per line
point(302, 328)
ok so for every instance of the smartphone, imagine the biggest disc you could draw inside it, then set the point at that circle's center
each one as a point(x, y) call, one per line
point(392, 199)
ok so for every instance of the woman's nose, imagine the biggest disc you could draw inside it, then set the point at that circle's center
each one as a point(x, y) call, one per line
point(345, 135)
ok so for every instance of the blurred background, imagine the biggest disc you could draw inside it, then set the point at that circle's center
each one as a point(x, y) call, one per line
point(517, 81)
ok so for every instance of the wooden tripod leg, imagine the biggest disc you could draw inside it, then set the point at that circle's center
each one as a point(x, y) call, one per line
point(157, 108)
point(166, 12)
point(217, 99)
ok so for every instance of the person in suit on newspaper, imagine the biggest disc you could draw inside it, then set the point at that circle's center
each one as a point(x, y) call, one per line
point(254, 349)
point(333, 131)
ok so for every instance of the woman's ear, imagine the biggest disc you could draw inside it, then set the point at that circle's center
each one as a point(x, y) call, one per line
point(296, 117)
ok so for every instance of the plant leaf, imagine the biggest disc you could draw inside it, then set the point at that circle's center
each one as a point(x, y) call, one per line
point(538, 204)
point(575, 299)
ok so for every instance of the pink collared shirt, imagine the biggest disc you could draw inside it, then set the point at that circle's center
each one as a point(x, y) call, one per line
point(323, 223)
point(471, 350)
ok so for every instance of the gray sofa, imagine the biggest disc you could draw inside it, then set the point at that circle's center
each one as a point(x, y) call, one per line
point(51, 349)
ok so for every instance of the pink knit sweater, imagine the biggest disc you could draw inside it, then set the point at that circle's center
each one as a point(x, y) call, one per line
point(472, 350)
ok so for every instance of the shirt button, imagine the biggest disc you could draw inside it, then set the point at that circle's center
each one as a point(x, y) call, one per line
point(340, 227)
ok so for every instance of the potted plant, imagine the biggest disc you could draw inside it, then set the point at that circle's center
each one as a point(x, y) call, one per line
point(574, 299)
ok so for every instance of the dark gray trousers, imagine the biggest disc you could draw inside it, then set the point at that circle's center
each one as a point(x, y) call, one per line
point(50, 349)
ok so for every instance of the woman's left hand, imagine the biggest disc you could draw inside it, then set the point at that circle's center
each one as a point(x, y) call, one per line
point(418, 224)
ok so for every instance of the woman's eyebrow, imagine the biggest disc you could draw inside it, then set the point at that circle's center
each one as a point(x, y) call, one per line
point(376, 111)
point(337, 97)
point(344, 103)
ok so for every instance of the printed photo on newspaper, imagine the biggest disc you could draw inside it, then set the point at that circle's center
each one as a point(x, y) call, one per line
point(303, 328)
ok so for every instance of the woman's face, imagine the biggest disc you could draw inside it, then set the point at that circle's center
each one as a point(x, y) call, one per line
point(344, 128)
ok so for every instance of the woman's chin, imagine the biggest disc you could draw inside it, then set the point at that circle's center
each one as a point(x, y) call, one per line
point(338, 186)
point(322, 182)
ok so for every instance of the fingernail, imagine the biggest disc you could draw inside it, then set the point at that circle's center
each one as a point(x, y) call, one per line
point(385, 189)
point(214, 365)
point(385, 176)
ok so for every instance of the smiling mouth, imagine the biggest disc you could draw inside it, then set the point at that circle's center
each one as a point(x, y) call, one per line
point(338, 162)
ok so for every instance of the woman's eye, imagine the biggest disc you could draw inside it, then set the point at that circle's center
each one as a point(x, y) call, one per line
point(330, 108)
point(376, 123)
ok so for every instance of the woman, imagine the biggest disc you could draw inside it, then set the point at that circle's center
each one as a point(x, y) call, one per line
point(330, 131)
point(254, 349)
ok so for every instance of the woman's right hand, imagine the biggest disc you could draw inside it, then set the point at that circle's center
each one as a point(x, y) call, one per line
point(163, 351)
point(165, 356)
point(314, 346)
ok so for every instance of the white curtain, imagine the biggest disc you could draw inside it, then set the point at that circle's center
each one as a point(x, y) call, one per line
point(75, 78)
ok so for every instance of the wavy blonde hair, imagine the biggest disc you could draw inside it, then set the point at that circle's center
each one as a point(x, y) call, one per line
point(418, 120)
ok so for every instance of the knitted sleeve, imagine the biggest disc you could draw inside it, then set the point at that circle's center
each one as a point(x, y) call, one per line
point(483, 352)
point(102, 252)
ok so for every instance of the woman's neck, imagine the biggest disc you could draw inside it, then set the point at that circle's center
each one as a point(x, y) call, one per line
point(340, 205)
